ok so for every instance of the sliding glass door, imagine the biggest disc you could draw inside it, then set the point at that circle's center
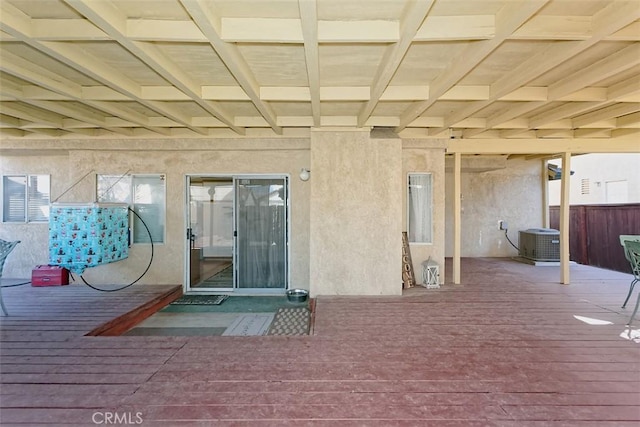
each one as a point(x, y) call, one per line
point(237, 233)
point(261, 233)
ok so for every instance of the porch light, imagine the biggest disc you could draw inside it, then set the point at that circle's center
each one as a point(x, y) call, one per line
point(305, 174)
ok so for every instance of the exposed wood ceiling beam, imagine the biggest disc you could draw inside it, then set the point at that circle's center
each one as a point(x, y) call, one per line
point(627, 89)
point(67, 111)
point(102, 65)
point(609, 112)
point(509, 18)
point(165, 31)
point(10, 122)
point(58, 85)
point(108, 19)
point(209, 24)
point(288, 30)
point(413, 17)
point(309, 17)
point(43, 120)
point(561, 112)
point(14, 22)
point(465, 27)
point(536, 146)
point(66, 30)
point(31, 115)
point(613, 64)
point(610, 20)
point(629, 121)
point(554, 115)
point(505, 115)
point(622, 92)
point(623, 60)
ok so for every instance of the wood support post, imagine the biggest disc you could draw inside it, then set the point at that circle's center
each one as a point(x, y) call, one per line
point(544, 182)
point(564, 218)
point(457, 217)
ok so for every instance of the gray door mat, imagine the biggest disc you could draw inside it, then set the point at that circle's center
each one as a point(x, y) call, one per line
point(250, 325)
point(200, 300)
point(291, 321)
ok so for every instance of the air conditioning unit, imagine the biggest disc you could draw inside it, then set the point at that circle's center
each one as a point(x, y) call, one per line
point(540, 244)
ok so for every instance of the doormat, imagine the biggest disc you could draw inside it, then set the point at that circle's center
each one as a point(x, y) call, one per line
point(291, 321)
point(200, 300)
point(249, 325)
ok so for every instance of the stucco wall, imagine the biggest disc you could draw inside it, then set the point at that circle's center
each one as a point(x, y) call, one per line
point(594, 173)
point(346, 220)
point(512, 192)
point(356, 214)
point(34, 244)
point(175, 159)
point(426, 156)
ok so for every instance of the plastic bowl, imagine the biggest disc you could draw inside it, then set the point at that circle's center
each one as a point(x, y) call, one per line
point(297, 295)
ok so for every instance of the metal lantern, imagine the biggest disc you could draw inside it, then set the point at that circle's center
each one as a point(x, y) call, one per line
point(430, 274)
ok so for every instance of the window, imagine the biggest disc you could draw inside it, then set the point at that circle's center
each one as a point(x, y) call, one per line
point(419, 208)
point(25, 198)
point(145, 195)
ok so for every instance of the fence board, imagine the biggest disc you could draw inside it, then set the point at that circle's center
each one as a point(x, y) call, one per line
point(594, 232)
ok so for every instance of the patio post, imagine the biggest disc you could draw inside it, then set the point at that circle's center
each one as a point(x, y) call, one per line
point(545, 193)
point(457, 205)
point(564, 217)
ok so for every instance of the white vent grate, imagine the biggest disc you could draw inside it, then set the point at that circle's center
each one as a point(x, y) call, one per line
point(585, 186)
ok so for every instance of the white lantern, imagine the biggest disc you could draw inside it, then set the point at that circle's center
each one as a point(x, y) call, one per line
point(430, 274)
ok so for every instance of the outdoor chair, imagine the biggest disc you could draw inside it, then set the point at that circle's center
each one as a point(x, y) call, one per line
point(632, 253)
point(5, 250)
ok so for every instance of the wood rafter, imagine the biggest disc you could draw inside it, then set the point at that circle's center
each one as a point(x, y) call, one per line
point(209, 25)
point(512, 69)
point(109, 20)
point(411, 22)
point(510, 18)
point(18, 25)
point(609, 21)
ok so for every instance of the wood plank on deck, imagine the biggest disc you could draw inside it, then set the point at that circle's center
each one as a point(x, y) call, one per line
point(505, 348)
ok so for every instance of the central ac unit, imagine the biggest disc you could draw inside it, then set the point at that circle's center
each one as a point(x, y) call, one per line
point(540, 244)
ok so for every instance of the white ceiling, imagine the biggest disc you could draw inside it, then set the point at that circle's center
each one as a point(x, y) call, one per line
point(195, 68)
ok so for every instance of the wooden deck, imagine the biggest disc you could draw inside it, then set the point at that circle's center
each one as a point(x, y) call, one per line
point(503, 349)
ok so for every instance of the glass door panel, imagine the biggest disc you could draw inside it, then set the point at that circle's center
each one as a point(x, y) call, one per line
point(261, 233)
point(210, 233)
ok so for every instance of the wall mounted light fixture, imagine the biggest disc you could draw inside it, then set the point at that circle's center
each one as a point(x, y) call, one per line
point(305, 174)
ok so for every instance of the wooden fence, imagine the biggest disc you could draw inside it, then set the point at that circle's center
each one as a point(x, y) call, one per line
point(594, 232)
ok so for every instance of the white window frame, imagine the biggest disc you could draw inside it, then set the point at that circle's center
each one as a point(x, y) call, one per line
point(28, 200)
point(410, 234)
point(130, 200)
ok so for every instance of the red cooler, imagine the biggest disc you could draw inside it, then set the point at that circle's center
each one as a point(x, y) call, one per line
point(49, 275)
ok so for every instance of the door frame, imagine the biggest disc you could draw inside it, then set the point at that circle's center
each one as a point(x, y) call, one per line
point(186, 287)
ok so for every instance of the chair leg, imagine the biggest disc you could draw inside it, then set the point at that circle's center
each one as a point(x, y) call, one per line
point(630, 291)
point(4, 309)
point(635, 310)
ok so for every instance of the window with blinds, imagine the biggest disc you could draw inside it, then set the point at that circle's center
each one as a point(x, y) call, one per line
point(25, 198)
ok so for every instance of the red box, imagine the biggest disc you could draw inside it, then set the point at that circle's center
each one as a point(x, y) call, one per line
point(49, 275)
